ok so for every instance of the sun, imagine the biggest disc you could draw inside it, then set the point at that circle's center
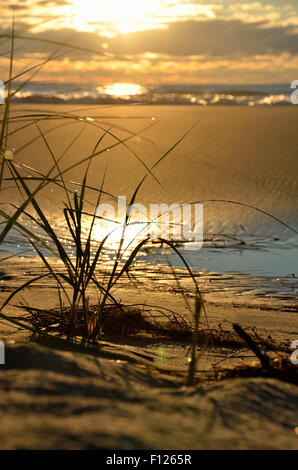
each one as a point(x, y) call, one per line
point(123, 90)
point(122, 15)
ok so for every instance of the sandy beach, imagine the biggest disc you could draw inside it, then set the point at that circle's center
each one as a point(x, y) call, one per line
point(148, 230)
point(53, 397)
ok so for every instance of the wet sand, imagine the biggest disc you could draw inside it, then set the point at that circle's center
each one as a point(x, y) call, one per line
point(247, 155)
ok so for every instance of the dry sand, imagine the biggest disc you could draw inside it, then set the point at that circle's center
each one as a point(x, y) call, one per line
point(66, 399)
point(61, 400)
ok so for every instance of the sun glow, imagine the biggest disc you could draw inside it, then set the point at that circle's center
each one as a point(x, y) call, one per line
point(134, 233)
point(123, 16)
point(123, 90)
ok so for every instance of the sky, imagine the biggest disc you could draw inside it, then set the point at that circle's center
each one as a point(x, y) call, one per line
point(154, 42)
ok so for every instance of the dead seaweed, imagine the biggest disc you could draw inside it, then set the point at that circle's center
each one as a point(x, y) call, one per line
point(128, 322)
point(273, 356)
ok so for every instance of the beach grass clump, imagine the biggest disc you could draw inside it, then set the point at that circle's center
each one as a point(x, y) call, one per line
point(76, 317)
point(79, 272)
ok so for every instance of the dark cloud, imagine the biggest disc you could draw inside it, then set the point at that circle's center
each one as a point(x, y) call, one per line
point(58, 3)
point(215, 38)
point(27, 42)
point(25, 5)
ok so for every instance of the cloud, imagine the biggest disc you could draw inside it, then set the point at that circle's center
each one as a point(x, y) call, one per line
point(183, 51)
point(216, 38)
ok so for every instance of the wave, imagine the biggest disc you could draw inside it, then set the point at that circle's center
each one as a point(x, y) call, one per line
point(122, 93)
